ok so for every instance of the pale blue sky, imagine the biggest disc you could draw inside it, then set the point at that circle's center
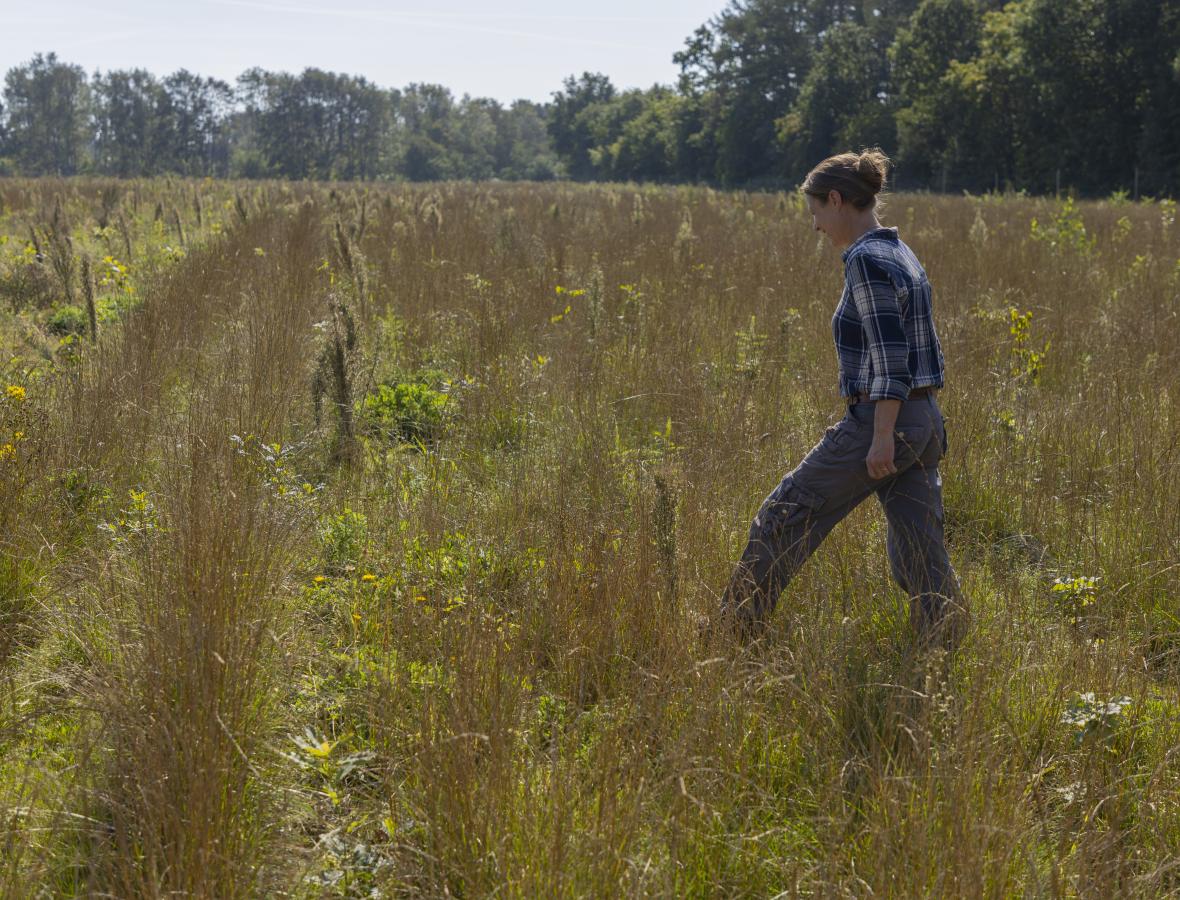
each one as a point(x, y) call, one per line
point(506, 50)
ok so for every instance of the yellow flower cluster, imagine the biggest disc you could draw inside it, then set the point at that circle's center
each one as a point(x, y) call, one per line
point(15, 392)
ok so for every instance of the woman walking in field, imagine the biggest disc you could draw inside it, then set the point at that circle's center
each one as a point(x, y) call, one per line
point(892, 435)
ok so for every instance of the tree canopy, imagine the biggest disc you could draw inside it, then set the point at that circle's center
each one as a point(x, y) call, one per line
point(961, 93)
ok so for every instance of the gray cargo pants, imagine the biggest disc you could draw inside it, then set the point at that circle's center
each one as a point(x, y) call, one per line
point(828, 484)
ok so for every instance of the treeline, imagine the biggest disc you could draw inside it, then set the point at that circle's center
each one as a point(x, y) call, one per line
point(1033, 94)
point(317, 125)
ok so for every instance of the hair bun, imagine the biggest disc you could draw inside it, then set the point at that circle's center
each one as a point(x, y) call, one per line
point(872, 166)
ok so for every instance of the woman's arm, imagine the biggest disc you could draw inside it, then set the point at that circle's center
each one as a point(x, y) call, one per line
point(875, 298)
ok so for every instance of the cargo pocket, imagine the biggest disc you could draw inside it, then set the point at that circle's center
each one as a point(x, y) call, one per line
point(788, 504)
point(841, 436)
point(913, 443)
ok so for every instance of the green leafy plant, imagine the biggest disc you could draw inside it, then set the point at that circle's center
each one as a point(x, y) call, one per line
point(343, 539)
point(407, 412)
point(1078, 596)
point(1026, 363)
point(1065, 232)
point(1090, 717)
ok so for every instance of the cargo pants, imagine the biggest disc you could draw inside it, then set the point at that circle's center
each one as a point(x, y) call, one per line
point(828, 484)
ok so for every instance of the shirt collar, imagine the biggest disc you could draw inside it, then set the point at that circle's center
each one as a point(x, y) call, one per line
point(888, 233)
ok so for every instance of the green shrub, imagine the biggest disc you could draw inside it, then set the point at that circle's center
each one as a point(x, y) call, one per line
point(73, 320)
point(68, 320)
point(409, 412)
point(342, 541)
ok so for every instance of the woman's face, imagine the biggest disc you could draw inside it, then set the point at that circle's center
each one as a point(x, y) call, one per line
point(826, 217)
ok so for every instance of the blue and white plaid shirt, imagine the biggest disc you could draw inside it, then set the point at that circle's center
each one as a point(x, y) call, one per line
point(884, 329)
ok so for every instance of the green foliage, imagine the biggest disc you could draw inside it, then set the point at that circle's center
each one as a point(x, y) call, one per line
point(133, 523)
point(410, 412)
point(1078, 596)
point(751, 350)
point(343, 541)
point(1091, 718)
point(1026, 363)
point(1066, 232)
point(70, 319)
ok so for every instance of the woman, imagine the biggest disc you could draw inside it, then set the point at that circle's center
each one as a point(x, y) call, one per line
point(892, 436)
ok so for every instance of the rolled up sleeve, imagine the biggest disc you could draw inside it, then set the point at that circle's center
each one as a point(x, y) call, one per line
point(875, 298)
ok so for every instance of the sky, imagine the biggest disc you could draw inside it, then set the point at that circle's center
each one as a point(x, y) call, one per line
point(507, 50)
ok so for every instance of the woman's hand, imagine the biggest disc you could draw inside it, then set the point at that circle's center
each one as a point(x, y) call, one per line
point(880, 458)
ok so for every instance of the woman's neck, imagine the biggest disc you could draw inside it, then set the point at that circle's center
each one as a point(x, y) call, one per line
point(860, 226)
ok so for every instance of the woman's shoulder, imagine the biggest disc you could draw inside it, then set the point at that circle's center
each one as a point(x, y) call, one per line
point(883, 250)
point(874, 242)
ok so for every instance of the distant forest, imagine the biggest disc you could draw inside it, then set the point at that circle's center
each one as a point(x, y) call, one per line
point(1038, 95)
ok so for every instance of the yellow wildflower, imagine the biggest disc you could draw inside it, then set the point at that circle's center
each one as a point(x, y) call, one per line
point(15, 392)
point(320, 579)
point(368, 576)
point(7, 451)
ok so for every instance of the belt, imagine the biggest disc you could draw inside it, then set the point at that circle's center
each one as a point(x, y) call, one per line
point(913, 395)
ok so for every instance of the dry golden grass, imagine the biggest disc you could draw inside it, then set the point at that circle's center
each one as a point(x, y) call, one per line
point(252, 650)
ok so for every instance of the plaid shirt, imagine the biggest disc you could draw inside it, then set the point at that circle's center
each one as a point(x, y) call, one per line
point(885, 339)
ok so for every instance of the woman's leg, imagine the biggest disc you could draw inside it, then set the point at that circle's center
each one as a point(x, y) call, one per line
point(792, 522)
point(917, 553)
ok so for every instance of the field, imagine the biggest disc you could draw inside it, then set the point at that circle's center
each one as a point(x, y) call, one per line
point(363, 541)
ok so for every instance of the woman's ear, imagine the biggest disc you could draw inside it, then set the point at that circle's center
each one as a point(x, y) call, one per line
point(835, 199)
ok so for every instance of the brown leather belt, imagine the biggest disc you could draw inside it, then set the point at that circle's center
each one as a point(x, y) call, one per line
point(913, 395)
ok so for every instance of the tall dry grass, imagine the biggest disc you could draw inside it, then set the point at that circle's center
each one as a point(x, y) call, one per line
point(481, 672)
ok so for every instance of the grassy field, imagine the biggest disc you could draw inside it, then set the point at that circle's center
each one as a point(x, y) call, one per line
point(355, 542)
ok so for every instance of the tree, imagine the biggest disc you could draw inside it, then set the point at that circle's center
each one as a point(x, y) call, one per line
point(130, 110)
point(750, 62)
point(1159, 139)
point(315, 125)
point(575, 121)
point(645, 149)
point(473, 137)
point(940, 33)
point(48, 120)
point(424, 117)
point(198, 129)
point(842, 102)
point(4, 164)
point(1080, 55)
point(523, 149)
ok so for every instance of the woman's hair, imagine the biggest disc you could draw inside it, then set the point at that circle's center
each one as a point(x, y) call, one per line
point(858, 177)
